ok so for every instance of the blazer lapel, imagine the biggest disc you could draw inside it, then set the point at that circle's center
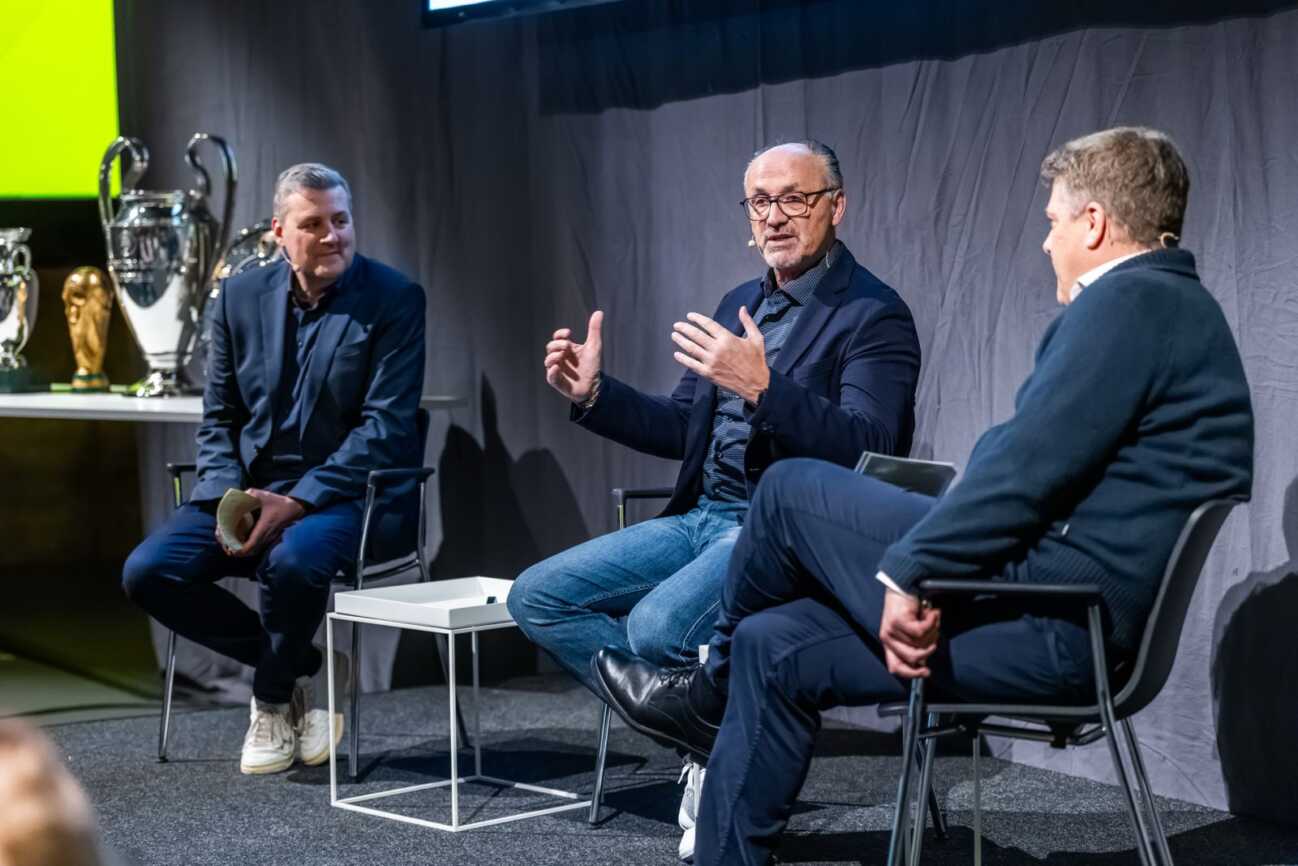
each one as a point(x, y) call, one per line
point(274, 318)
point(816, 316)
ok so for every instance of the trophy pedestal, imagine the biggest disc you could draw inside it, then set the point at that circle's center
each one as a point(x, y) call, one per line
point(89, 383)
point(20, 380)
point(163, 383)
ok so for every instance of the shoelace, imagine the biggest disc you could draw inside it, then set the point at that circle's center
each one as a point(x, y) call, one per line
point(675, 676)
point(264, 732)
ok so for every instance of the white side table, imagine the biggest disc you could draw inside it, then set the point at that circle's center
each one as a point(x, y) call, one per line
point(449, 607)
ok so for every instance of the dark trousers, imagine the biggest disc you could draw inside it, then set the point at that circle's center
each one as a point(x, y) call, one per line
point(798, 633)
point(173, 574)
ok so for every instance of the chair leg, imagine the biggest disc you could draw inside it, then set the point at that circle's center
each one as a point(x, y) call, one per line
point(168, 685)
point(901, 816)
point(934, 807)
point(924, 798)
point(978, 803)
point(1144, 847)
point(354, 751)
point(601, 756)
point(1142, 778)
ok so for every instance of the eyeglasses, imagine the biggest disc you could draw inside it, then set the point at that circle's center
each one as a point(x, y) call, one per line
point(792, 204)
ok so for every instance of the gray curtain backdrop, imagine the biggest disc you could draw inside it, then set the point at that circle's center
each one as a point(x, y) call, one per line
point(529, 171)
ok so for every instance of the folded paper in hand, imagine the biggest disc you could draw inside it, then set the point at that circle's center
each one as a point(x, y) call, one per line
point(235, 516)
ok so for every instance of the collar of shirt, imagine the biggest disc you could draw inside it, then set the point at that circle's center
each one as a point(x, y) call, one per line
point(800, 288)
point(1096, 272)
point(298, 298)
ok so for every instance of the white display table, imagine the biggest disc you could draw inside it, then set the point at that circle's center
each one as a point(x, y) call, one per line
point(448, 607)
point(118, 407)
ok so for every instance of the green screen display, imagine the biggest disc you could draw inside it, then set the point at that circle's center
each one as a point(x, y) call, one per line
point(58, 77)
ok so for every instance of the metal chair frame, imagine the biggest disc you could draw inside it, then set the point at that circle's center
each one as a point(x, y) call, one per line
point(1065, 725)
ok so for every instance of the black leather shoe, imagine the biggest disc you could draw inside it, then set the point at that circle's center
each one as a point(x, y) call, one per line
point(676, 706)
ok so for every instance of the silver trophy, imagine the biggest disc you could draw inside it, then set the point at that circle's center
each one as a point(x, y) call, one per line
point(252, 247)
point(19, 292)
point(162, 248)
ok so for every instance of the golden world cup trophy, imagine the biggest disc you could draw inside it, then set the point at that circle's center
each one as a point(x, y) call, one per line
point(88, 303)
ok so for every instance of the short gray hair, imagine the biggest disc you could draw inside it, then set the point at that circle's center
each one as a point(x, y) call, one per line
point(306, 175)
point(833, 175)
point(1135, 173)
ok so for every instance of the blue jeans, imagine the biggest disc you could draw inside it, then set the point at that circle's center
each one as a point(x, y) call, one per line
point(173, 574)
point(652, 588)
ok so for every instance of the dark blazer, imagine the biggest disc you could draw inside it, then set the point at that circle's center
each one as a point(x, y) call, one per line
point(843, 383)
point(364, 379)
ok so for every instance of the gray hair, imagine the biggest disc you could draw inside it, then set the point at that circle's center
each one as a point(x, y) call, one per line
point(833, 175)
point(306, 175)
point(1135, 173)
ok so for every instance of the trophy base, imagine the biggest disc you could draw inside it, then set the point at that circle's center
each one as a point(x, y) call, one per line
point(163, 383)
point(20, 380)
point(89, 383)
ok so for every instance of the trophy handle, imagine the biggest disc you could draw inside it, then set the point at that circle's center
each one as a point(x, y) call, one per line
point(205, 183)
point(139, 164)
point(26, 253)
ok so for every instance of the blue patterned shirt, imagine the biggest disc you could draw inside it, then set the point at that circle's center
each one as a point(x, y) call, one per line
point(723, 469)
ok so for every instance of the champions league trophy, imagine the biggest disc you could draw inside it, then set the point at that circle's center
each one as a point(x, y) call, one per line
point(19, 293)
point(253, 247)
point(162, 248)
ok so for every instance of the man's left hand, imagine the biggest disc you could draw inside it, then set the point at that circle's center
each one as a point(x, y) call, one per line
point(724, 359)
point(909, 633)
point(278, 512)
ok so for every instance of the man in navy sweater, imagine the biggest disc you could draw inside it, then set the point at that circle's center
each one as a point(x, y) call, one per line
point(1136, 412)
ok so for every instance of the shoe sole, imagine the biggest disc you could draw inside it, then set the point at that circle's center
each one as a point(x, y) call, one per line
point(657, 736)
point(265, 769)
point(317, 760)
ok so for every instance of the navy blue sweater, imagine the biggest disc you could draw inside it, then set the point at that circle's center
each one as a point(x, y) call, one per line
point(1136, 412)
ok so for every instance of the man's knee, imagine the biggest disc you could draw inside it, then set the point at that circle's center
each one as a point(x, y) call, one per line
point(140, 573)
point(529, 597)
point(783, 482)
point(655, 634)
point(298, 565)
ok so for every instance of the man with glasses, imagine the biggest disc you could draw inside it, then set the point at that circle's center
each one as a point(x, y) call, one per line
point(817, 358)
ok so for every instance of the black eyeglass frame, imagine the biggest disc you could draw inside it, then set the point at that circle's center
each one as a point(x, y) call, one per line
point(780, 201)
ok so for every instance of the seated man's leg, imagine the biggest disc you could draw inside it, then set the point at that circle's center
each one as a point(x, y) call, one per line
point(667, 625)
point(815, 529)
point(791, 661)
point(172, 575)
point(788, 663)
point(295, 575)
point(569, 604)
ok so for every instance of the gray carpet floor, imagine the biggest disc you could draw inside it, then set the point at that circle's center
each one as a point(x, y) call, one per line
point(198, 809)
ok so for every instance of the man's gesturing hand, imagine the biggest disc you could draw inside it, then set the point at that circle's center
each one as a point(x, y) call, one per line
point(277, 514)
point(572, 368)
point(909, 634)
point(724, 359)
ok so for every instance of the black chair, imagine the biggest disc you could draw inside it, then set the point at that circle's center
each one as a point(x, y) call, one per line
point(918, 476)
point(381, 482)
point(1140, 680)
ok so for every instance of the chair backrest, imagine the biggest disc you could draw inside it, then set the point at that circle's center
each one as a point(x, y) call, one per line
point(929, 477)
point(1153, 661)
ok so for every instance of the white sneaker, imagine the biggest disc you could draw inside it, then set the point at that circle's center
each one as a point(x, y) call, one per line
point(685, 850)
point(692, 776)
point(269, 745)
point(310, 723)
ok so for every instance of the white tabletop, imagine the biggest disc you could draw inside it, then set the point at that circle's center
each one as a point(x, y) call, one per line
point(118, 407)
